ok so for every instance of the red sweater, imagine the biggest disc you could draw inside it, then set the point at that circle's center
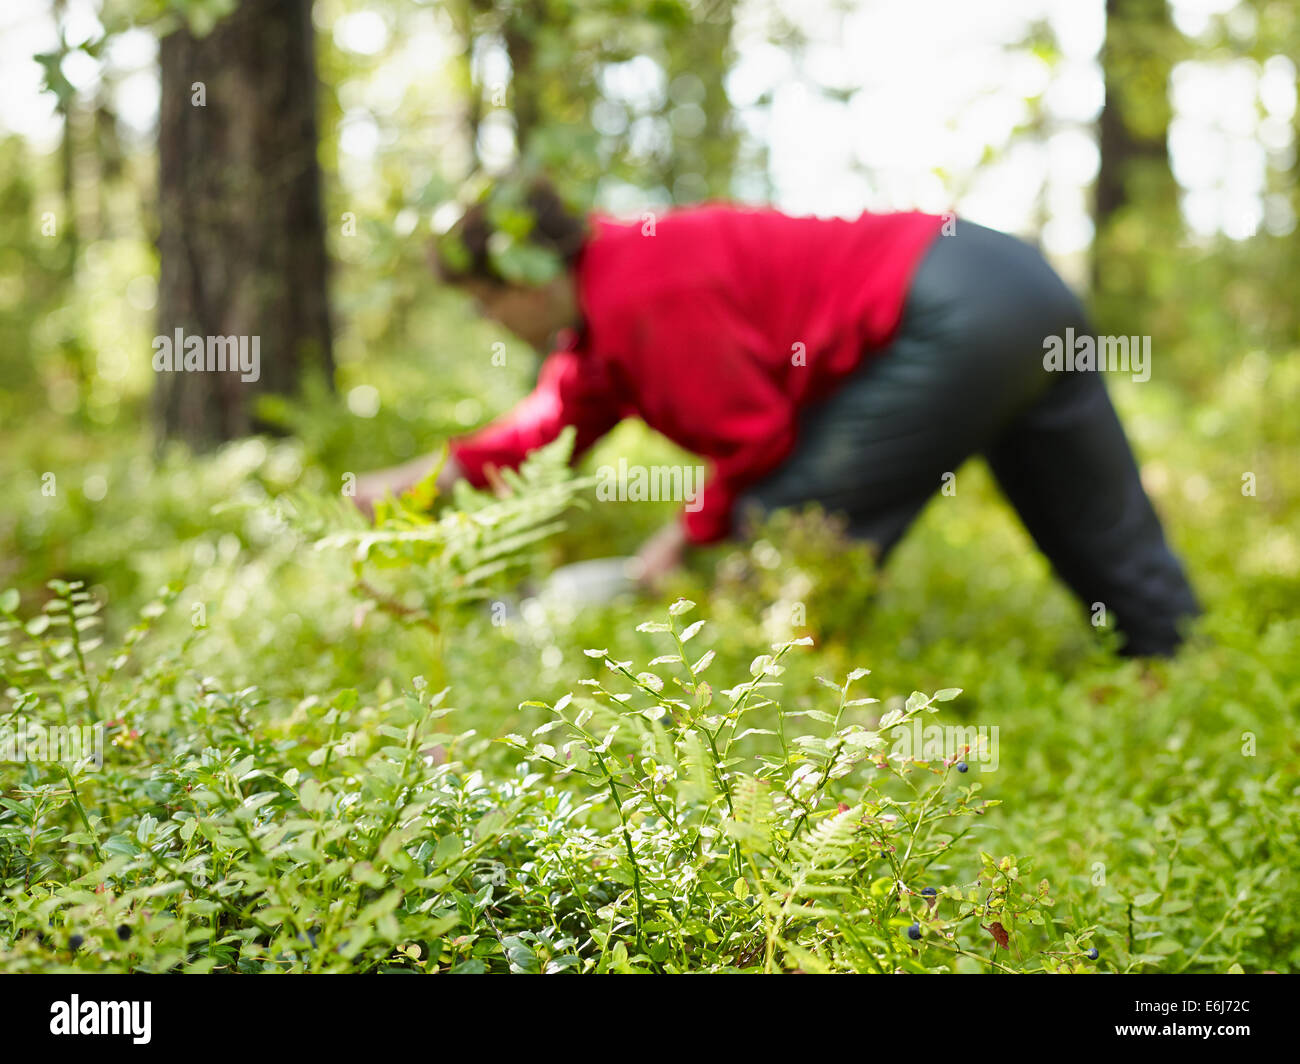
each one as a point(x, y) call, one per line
point(715, 331)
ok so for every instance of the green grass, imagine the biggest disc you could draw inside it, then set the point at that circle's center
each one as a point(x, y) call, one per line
point(280, 792)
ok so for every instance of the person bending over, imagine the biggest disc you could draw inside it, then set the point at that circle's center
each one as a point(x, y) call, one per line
point(852, 363)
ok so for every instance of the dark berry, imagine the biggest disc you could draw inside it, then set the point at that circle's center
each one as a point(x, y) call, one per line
point(914, 932)
point(962, 766)
point(123, 932)
point(929, 892)
point(75, 942)
point(1093, 954)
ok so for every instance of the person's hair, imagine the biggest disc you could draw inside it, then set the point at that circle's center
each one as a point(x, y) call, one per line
point(556, 228)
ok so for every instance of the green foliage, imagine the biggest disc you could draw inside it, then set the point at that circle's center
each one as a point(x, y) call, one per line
point(690, 807)
point(1158, 801)
point(455, 558)
point(279, 794)
point(220, 846)
point(344, 836)
point(755, 861)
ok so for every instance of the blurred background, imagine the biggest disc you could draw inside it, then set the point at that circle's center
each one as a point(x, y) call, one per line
point(1148, 147)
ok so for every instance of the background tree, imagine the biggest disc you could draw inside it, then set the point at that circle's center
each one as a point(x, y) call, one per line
point(570, 109)
point(703, 143)
point(1134, 124)
point(240, 231)
point(1140, 50)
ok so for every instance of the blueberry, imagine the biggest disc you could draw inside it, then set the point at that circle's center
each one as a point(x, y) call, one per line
point(914, 932)
point(1093, 954)
point(962, 766)
point(75, 942)
point(123, 932)
point(929, 892)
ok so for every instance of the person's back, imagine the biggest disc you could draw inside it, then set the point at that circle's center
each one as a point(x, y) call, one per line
point(853, 364)
point(803, 298)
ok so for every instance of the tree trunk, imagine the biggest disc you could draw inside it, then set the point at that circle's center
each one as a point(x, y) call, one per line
point(520, 33)
point(708, 154)
point(1138, 56)
point(241, 240)
point(1134, 124)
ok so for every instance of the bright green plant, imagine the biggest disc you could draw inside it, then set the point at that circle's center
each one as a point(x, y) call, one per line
point(224, 833)
point(446, 560)
point(813, 855)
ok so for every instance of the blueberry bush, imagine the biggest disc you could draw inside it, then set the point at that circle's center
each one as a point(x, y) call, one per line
point(325, 749)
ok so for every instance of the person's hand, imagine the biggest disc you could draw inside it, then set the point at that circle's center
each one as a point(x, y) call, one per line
point(371, 487)
point(661, 555)
point(379, 484)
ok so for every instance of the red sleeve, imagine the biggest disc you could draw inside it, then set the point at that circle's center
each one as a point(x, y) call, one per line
point(571, 390)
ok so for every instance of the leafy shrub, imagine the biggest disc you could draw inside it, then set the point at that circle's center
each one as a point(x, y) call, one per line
point(223, 835)
point(450, 559)
point(693, 813)
point(813, 857)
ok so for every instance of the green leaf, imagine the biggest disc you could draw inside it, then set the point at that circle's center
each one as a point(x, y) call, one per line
point(312, 797)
